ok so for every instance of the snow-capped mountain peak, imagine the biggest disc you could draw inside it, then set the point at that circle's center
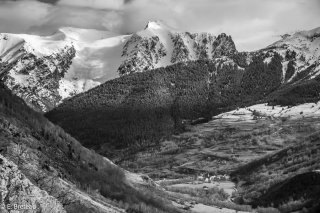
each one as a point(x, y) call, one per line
point(157, 25)
point(300, 53)
point(44, 70)
point(159, 45)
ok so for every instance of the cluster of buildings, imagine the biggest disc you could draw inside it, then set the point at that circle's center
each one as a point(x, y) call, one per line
point(207, 178)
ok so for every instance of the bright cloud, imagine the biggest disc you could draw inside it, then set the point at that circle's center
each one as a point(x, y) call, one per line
point(97, 4)
point(253, 24)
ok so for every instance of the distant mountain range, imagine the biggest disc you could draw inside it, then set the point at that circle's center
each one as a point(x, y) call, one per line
point(46, 70)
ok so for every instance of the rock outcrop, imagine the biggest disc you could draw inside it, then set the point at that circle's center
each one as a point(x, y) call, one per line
point(18, 193)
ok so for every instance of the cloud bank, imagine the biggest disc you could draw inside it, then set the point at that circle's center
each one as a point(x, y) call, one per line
point(253, 24)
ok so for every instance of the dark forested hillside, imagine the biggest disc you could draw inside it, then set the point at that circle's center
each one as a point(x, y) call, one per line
point(288, 179)
point(296, 93)
point(138, 110)
point(261, 78)
point(69, 174)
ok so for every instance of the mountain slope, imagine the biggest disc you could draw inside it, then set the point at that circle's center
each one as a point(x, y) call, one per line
point(59, 171)
point(30, 194)
point(45, 70)
point(138, 107)
point(300, 54)
point(287, 179)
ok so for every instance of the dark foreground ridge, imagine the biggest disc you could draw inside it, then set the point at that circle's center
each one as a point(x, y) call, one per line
point(62, 174)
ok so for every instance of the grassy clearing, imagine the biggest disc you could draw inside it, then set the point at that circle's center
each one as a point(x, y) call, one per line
point(214, 193)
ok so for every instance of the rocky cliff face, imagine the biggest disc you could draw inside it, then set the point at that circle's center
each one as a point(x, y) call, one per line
point(300, 55)
point(158, 46)
point(45, 70)
point(34, 77)
point(144, 54)
point(20, 194)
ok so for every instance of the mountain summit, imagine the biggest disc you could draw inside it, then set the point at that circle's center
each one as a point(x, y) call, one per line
point(157, 24)
point(159, 45)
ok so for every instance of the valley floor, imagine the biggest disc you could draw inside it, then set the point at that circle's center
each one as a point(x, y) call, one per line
point(220, 147)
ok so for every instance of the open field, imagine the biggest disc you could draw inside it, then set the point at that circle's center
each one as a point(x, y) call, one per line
point(200, 208)
point(221, 145)
point(224, 146)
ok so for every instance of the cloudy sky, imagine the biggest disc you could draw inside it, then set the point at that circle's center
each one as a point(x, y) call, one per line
point(253, 24)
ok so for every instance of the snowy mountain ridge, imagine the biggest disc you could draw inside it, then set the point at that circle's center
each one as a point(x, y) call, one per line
point(46, 70)
point(300, 53)
point(159, 45)
point(32, 68)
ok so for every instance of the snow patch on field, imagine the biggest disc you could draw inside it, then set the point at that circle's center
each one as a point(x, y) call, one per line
point(299, 111)
point(201, 208)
